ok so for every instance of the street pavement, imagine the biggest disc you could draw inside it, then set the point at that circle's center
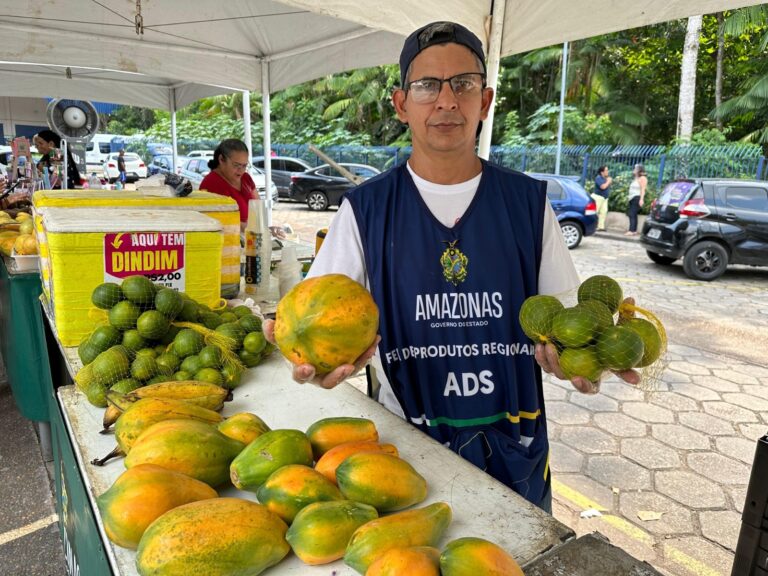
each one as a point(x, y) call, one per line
point(661, 470)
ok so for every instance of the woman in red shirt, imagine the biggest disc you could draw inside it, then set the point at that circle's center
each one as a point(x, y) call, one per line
point(229, 175)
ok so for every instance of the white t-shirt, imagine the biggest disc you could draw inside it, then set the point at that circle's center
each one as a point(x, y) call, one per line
point(342, 251)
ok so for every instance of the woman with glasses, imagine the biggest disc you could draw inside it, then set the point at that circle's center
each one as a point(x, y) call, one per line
point(229, 175)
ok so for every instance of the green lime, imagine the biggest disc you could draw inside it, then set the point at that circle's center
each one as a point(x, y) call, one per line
point(241, 311)
point(210, 320)
point(139, 290)
point(250, 323)
point(152, 324)
point(144, 367)
point(574, 327)
point(151, 352)
point(123, 315)
point(87, 352)
point(600, 312)
point(169, 302)
point(602, 288)
point(189, 312)
point(228, 317)
point(581, 362)
point(248, 358)
point(182, 374)
point(210, 375)
point(255, 342)
point(650, 337)
point(161, 349)
point(111, 365)
point(620, 348)
point(191, 364)
point(170, 334)
point(187, 343)
point(234, 331)
point(159, 379)
point(168, 362)
point(133, 340)
point(104, 337)
point(210, 357)
point(126, 385)
point(106, 295)
point(232, 376)
point(536, 316)
point(96, 393)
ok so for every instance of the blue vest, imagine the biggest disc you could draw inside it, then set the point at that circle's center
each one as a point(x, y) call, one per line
point(451, 344)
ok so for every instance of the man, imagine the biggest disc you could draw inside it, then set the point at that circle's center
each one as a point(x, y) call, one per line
point(602, 190)
point(450, 247)
point(121, 166)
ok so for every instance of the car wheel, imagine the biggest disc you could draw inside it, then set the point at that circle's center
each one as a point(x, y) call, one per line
point(659, 259)
point(705, 261)
point(571, 233)
point(317, 200)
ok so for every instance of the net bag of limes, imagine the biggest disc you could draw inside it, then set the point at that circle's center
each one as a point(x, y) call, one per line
point(601, 332)
point(149, 334)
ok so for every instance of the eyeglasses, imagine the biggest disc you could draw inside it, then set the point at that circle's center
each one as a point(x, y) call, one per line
point(426, 90)
point(238, 165)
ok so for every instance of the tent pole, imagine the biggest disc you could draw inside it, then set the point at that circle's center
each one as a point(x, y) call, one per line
point(174, 141)
point(267, 138)
point(494, 62)
point(247, 123)
point(563, 83)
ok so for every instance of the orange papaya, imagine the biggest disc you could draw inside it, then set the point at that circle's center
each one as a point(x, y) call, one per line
point(141, 495)
point(270, 451)
point(291, 488)
point(326, 321)
point(193, 448)
point(414, 561)
point(245, 427)
point(330, 432)
point(321, 531)
point(384, 481)
point(420, 527)
point(330, 460)
point(477, 557)
point(218, 537)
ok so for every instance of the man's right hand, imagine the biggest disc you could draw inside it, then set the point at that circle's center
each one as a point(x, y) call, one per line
point(303, 373)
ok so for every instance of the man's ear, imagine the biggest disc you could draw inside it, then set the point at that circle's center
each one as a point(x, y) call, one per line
point(398, 101)
point(487, 102)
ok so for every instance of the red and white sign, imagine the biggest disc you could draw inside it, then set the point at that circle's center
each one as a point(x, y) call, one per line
point(157, 255)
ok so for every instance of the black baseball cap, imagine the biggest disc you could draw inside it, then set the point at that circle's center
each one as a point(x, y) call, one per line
point(437, 33)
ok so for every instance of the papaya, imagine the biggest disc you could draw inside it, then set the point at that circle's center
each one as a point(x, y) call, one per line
point(148, 411)
point(420, 527)
point(329, 432)
point(291, 488)
point(197, 392)
point(191, 447)
point(326, 321)
point(245, 427)
point(143, 494)
point(270, 451)
point(477, 557)
point(321, 531)
point(384, 481)
point(218, 537)
point(414, 561)
point(330, 461)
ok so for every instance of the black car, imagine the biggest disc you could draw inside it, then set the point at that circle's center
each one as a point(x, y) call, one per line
point(709, 223)
point(324, 186)
point(282, 168)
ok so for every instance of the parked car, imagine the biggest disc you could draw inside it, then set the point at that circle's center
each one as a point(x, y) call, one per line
point(709, 223)
point(200, 154)
point(195, 169)
point(134, 167)
point(575, 210)
point(162, 163)
point(324, 186)
point(282, 168)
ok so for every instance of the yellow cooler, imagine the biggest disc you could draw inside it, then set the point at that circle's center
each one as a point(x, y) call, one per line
point(88, 246)
point(216, 206)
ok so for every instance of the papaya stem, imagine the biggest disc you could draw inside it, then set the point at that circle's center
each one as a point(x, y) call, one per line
point(114, 454)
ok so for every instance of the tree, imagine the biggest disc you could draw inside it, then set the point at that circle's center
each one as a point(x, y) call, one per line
point(719, 67)
point(687, 99)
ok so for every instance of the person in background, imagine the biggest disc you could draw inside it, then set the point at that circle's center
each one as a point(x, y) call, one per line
point(636, 197)
point(449, 227)
point(602, 191)
point(229, 175)
point(121, 166)
point(48, 144)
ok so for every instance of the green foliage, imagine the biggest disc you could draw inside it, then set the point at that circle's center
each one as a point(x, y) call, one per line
point(578, 128)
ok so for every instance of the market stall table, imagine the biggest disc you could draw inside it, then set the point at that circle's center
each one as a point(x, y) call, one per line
point(481, 505)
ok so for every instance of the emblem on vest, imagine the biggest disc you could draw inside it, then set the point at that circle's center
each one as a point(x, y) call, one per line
point(454, 263)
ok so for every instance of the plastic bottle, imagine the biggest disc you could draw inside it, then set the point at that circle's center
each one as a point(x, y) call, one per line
point(258, 251)
point(289, 271)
